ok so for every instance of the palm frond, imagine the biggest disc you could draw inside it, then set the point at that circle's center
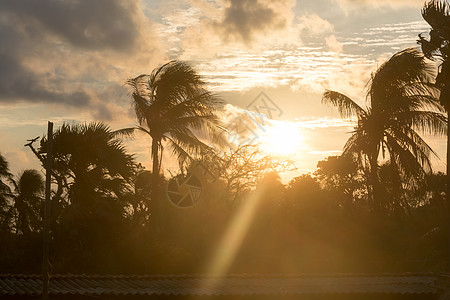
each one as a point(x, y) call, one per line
point(4, 168)
point(355, 144)
point(404, 69)
point(347, 107)
point(141, 107)
point(189, 142)
point(126, 132)
point(203, 103)
point(183, 157)
point(175, 82)
point(428, 122)
point(173, 105)
point(409, 163)
point(407, 140)
point(437, 13)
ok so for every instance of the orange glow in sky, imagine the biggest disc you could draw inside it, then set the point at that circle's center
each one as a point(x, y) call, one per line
point(283, 138)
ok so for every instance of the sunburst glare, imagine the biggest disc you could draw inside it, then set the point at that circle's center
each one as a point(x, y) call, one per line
point(282, 138)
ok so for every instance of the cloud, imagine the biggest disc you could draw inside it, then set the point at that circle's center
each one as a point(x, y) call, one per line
point(17, 82)
point(312, 24)
point(243, 20)
point(68, 52)
point(354, 4)
point(100, 24)
point(204, 30)
point(333, 44)
point(352, 79)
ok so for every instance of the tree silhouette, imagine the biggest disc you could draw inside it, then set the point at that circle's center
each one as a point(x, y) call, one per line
point(4, 194)
point(91, 158)
point(437, 15)
point(402, 102)
point(241, 168)
point(140, 196)
point(174, 108)
point(28, 201)
point(96, 169)
point(342, 176)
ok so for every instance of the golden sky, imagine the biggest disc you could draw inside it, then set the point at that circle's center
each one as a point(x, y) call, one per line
point(67, 61)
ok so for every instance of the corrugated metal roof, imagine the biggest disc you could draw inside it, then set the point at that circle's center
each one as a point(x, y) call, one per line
point(197, 285)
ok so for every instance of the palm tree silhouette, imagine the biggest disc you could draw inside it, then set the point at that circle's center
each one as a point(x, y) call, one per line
point(5, 175)
point(92, 160)
point(402, 102)
point(94, 168)
point(437, 15)
point(174, 108)
point(28, 201)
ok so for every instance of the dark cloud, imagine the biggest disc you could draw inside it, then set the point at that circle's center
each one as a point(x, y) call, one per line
point(114, 94)
point(32, 31)
point(102, 113)
point(19, 83)
point(98, 24)
point(243, 19)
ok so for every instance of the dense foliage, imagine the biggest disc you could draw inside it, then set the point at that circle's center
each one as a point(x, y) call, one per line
point(317, 222)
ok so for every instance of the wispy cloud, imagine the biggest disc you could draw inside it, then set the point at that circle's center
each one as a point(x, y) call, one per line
point(350, 5)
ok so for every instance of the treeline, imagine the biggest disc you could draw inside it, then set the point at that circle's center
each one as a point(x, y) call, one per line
point(320, 222)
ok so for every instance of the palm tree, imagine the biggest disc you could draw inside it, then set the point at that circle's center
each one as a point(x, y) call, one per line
point(174, 108)
point(437, 15)
point(94, 169)
point(92, 160)
point(4, 194)
point(402, 102)
point(28, 201)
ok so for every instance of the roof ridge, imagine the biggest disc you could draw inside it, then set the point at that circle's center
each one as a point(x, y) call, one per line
point(231, 275)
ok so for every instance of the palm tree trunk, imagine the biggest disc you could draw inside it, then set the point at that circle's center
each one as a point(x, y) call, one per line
point(155, 199)
point(376, 204)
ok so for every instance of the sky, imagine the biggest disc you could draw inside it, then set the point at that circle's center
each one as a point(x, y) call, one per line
point(269, 61)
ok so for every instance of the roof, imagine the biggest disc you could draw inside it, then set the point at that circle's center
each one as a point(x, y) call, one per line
point(231, 285)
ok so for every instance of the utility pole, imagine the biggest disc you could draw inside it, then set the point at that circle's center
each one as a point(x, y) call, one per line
point(47, 213)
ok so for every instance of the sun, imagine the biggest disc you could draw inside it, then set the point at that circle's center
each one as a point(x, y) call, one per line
point(282, 138)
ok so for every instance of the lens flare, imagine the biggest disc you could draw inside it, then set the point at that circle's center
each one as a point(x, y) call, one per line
point(283, 138)
point(234, 236)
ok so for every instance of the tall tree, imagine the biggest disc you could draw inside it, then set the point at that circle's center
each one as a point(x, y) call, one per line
point(92, 160)
point(437, 14)
point(4, 194)
point(94, 168)
point(28, 201)
point(174, 108)
point(401, 104)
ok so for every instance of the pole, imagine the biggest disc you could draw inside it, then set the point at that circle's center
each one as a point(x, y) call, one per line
point(47, 212)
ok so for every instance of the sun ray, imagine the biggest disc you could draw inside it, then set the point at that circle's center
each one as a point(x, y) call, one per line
point(234, 236)
point(282, 138)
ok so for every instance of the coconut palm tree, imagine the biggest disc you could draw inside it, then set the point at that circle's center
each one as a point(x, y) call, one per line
point(4, 193)
point(401, 104)
point(437, 15)
point(93, 167)
point(28, 201)
point(92, 160)
point(174, 108)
